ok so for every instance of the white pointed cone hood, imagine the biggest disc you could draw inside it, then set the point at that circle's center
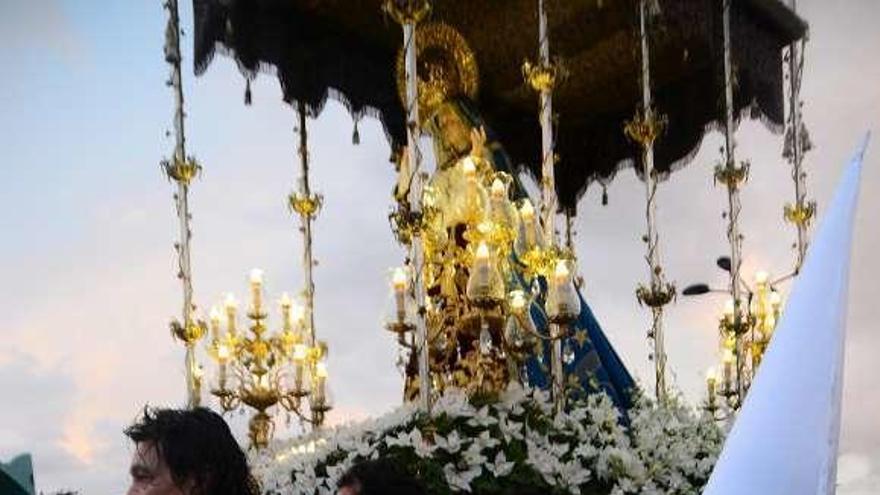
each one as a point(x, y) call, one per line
point(784, 441)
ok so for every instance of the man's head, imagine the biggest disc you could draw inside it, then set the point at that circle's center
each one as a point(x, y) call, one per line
point(187, 452)
point(379, 477)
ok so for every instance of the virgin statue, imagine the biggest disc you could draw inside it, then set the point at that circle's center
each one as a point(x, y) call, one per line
point(488, 295)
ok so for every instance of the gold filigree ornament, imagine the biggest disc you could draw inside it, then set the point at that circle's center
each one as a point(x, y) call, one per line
point(306, 206)
point(407, 11)
point(181, 171)
point(800, 214)
point(655, 296)
point(645, 127)
point(189, 333)
point(447, 68)
point(544, 77)
point(732, 176)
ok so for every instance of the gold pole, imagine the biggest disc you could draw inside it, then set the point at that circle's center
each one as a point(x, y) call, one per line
point(803, 211)
point(409, 13)
point(732, 176)
point(182, 170)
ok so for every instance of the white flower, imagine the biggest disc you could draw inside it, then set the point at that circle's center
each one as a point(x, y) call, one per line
point(461, 480)
point(473, 455)
point(451, 443)
point(501, 467)
point(510, 428)
point(482, 418)
point(485, 440)
point(453, 403)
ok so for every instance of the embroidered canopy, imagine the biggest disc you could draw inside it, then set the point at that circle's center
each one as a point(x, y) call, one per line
point(347, 49)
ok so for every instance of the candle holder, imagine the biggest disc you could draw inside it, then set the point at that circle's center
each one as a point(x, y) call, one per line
point(261, 370)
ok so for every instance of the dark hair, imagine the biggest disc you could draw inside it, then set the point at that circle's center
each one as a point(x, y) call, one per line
point(197, 445)
point(380, 477)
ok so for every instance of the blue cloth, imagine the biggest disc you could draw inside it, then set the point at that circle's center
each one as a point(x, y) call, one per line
point(596, 365)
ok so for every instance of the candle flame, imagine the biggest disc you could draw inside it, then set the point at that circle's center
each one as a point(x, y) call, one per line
point(711, 374)
point(483, 251)
point(468, 166)
point(256, 276)
point(321, 370)
point(399, 279)
point(561, 271)
point(728, 308)
point(230, 301)
point(517, 300)
point(285, 300)
point(299, 352)
point(761, 277)
point(527, 211)
point(498, 190)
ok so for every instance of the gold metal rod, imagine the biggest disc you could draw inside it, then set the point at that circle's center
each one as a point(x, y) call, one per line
point(306, 219)
point(653, 255)
point(734, 204)
point(548, 197)
point(795, 72)
point(173, 57)
point(415, 200)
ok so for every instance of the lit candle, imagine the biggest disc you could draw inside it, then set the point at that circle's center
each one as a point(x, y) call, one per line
point(398, 284)
point(517, 300)
point(320, 379)
point(469, 167)
point(527, 213)
point(761, 277)
point(498, 190)
point(231, 305)
point(256, 279)
point(300, 352)
point(481, 265)
point(561, 285)
point(728, 311)
point(775, 299)
point(222, 357)
point(727, 360)
point(298, 315)
point(285, 311)
point(711, 383)
point(215, 323)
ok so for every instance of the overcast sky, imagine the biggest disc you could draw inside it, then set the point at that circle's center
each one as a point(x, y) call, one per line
point(89, 224)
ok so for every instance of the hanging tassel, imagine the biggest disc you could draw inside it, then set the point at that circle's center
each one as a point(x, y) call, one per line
point(604, 195)
point(247, 92)
point(356, 136)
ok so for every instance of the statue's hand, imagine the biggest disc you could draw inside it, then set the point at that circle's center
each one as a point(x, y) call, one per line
point(478, 141)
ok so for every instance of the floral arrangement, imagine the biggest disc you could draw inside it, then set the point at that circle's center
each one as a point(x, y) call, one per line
point(512, 441)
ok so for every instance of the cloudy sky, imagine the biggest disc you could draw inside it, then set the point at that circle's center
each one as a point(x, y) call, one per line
point(89, 226)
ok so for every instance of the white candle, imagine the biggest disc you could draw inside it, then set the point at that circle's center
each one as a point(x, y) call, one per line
point(729, 309)
point(285, 311)
point(231, 305)
point(481, 265)
point(561, 279)
point(256, 279)
point(398, 285)
point(498, 190)
point(527, 213)
point(215, 323)
point(728, 369)
point(320, 379)
point(711, 383)
point(222, 357)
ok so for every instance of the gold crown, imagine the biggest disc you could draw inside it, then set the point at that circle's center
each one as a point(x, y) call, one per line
point(446, 65)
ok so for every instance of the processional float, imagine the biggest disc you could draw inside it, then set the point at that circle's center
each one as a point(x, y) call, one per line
point(489, 292)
